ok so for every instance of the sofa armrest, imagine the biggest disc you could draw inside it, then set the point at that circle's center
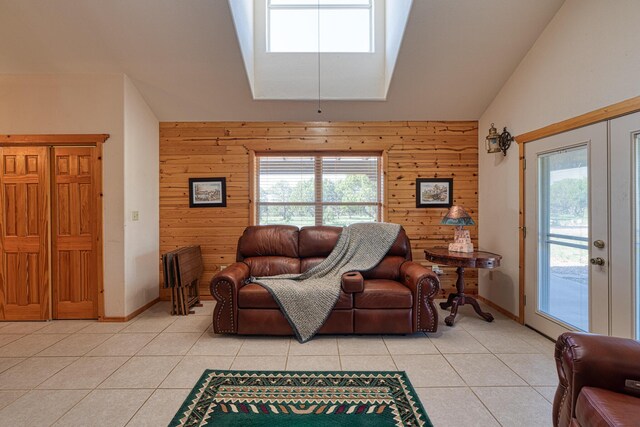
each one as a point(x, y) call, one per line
point(592, 360)
point(424, 285)
point(352, 282)
point(224, 288)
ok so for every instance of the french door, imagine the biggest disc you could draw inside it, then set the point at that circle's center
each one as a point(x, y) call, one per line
point(567, 225)
point(582, 249)
point(625, 225)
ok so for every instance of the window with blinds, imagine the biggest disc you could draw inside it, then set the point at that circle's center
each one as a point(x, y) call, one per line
point(318, 189)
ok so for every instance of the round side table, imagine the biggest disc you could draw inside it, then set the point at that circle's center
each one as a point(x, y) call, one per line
point(462, 260)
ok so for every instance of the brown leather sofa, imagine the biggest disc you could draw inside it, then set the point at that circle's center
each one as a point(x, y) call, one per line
point(599, 381)
point(395, 297)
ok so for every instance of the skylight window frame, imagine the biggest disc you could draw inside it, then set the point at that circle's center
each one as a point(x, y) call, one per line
point(320, 6)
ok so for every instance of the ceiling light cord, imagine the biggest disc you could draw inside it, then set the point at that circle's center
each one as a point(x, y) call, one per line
point(319, 108)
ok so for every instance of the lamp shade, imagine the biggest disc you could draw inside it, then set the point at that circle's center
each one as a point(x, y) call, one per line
point(457, 216)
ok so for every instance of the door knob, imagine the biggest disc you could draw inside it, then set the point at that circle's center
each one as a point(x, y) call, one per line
point(597, 261)
point(599, 244)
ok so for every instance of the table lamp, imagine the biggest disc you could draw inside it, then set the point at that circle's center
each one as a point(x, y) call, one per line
point(459, 217)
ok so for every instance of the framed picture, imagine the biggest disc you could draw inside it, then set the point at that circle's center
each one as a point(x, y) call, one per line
point(207, 192)
point(434, 192)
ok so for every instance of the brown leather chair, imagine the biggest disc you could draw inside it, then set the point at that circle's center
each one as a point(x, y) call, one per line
point(599, 381)
point(395, 297)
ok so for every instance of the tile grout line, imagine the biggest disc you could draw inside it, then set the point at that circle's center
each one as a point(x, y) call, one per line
point(89, 391)
point(236, 355)
point(485, 406)
point(470, 387)
point(389, 353)
point(286, 355)
point(508, 367)
point(141, 406)
point(116, 370)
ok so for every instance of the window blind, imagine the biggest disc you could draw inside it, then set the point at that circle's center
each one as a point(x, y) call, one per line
point(318, 190)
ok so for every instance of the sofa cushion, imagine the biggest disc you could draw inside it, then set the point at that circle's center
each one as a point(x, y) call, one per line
point(600, 407)
point(307, 263)
point(388, 268)
point(272, 265)
point(272, 322)
point(383, 321)
point(318, 241)
point(401, 247)
point(268, 240)
point(256, 296)
point(381, 293)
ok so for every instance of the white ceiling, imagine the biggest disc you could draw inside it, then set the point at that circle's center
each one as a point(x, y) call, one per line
point(184, 58)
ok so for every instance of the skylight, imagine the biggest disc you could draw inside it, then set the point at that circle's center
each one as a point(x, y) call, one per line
point(360, 41)
point(345, 26)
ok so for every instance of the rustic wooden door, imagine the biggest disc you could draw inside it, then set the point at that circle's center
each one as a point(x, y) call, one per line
point(74, 233)
point(24, 230)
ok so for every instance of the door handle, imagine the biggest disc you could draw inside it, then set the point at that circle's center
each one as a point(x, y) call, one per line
point(598, 261)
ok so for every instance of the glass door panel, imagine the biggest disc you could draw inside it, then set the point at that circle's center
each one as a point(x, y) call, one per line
point(563, 200)
point(566, 244)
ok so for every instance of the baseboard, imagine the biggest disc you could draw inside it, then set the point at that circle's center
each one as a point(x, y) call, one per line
point(497, 308)
point(202, 298)
point(131, 315)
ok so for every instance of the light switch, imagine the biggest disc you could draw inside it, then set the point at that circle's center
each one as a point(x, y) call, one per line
point(135, 216)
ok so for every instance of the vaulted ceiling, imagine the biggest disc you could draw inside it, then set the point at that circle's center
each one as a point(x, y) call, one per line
point(183, 56)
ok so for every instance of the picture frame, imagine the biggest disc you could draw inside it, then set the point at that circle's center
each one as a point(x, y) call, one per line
point(434, 192)
point(207, 192)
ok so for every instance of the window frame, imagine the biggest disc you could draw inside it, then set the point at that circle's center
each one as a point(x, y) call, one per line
point(318, 204)
point(320, 6)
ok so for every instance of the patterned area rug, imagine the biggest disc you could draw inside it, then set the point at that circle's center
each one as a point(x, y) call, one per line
point(283, 398)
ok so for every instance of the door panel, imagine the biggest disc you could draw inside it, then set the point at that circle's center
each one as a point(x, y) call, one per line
point(24, 228)
point(566, 212)
point(563, 236)
point(625, 219)
point(74, 204)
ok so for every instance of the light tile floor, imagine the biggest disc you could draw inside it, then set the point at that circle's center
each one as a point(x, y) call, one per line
point(82, 373)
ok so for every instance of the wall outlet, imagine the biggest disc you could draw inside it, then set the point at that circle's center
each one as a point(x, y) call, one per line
point(135, 216)
point(436, 269)
point(222, 267)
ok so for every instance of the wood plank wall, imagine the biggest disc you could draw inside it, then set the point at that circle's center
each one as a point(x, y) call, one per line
point(412, 150)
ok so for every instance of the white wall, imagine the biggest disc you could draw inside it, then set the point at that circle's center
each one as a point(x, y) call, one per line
point(588, 57)
point(242, 11)
point(49, 104)
point(141, 194)
point(105, 103)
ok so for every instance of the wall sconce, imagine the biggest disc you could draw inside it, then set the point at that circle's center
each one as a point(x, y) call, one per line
point(496, 143)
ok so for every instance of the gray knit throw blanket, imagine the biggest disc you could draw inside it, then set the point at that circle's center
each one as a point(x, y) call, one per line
point(307, 299)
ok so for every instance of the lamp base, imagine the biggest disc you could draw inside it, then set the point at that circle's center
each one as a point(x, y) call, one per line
point(461, 247)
